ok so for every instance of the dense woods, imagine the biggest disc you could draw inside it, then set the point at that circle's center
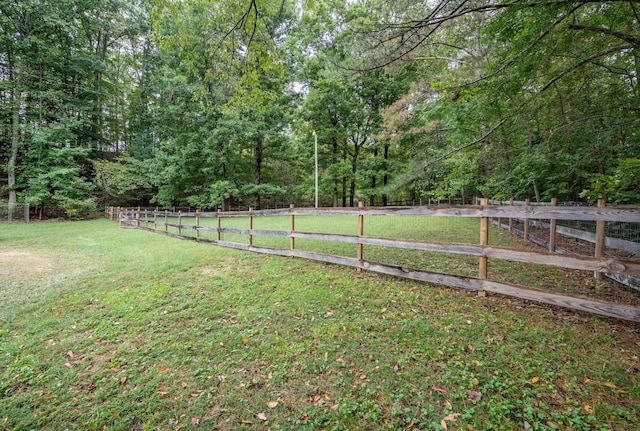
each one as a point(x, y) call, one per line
point(216, 103)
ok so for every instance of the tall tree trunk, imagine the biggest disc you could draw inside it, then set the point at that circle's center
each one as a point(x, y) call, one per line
point(334, 158)
point(344, 179)
point(354, 169)
point(15, 142)
point(385, 179)
point(258, 153)
point(536, 190)
point(372, 198)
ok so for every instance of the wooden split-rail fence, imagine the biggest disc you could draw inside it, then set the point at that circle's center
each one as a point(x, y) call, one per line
point(158, 221)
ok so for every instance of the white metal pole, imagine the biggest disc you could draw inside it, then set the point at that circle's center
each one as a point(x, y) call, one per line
point(315, 137)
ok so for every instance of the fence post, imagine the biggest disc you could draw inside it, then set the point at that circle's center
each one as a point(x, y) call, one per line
point(250, 226)
point(600, 233)
point(219, 225)
point(552, 229)
point(511, 218)
point(180, 222)
point(526, 222)
point(26, 213)
point(484, 240)
point(197, 225)
point(292, 240)
point(155, 220)
point(138, 217)
point(360, 231)
point(166, 220)
point(146, 218)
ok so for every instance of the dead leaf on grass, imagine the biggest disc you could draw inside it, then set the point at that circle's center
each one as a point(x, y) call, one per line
point(272, 404)
point(474, 395)
point(208, 271)
point(261, 416)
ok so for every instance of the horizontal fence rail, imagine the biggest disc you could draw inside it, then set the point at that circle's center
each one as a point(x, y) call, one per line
point(173, 224)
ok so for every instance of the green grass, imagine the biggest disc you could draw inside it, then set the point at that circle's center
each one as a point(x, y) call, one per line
point(122, 329)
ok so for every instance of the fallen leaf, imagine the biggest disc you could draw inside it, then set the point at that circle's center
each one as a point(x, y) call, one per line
point(474, 395)
point(163, 370)
point(443, 424)
point(610, 385)
point(272, 404)
point(440, 352)
point(363, 376)
point(261, 416)
point(70, 354)
point(245, 340)
point(588, 409)
point(383, 310)
point(196, 421)
point(452, 417)
point(586, 380)
point(245, 422)
point(123, 380)
point(535, 379)
point(440, 389)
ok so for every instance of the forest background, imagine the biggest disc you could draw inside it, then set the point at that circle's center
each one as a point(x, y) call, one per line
point(217, 103)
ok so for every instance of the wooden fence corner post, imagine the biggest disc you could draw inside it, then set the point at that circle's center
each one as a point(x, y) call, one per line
point(197, 225)
point(180, 222)
point(484, 240)
point(155, 220)
point(219, 225)
point(360, 232)
point(511, 218)
point(600, 233)
point(526, 222)
point(552, 229)
point(166, 220)
point(292, 240)
point(250, 227)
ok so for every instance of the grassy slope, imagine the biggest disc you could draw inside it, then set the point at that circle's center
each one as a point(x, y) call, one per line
point(105, 328)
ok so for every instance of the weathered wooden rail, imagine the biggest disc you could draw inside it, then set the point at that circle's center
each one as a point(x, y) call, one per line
point(483, 251)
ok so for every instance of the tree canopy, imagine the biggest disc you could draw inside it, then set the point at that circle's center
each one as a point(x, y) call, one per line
point(214, 104)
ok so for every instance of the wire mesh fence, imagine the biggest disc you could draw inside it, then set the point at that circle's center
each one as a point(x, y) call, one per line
point(620, 240)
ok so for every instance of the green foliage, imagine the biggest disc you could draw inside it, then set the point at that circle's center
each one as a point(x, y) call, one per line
point(163, 99)
point(125, 180)
point(620, 187)
point(220, 191)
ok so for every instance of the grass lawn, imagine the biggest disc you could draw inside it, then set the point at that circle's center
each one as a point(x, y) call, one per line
point(122, 329)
